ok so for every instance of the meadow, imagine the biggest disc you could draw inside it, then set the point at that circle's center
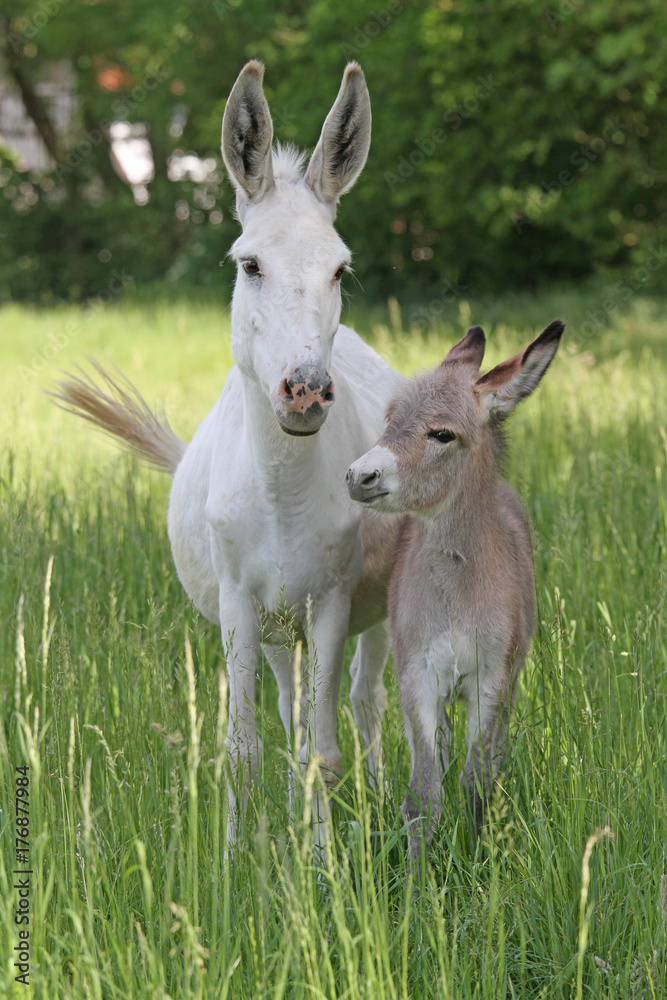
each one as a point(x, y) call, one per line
point(113, 696)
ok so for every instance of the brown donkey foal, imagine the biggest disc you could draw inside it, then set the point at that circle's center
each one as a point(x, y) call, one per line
point(461, 599)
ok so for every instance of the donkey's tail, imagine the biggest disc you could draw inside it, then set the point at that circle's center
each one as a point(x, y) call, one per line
point(121, 411)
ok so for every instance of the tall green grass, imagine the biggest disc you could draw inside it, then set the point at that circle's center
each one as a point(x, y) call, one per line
point(113, 692)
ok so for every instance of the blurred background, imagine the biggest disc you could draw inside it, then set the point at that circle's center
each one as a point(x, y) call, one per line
point(516, 145)
point(516, 174)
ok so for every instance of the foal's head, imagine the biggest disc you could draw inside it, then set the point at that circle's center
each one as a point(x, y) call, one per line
point(287, 299)
point(440, 422)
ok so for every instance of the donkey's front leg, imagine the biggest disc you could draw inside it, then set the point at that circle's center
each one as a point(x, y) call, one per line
point(283, 666)
point(239, 624)
point(330, 624)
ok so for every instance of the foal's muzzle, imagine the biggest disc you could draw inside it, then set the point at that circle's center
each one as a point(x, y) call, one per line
point(364, 484)
point(374, 478)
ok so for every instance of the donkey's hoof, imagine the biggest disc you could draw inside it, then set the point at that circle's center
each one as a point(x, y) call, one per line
point(331, 771)
point(331, 765)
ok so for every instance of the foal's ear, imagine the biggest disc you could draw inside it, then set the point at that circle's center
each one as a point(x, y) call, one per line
point(341, 152)
point(247, 132)
point(470, 350)
point(506, 385)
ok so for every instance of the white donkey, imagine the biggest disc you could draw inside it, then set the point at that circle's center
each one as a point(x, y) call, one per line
point(259, 516)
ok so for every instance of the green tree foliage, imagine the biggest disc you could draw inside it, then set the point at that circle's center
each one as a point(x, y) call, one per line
point(513, 144)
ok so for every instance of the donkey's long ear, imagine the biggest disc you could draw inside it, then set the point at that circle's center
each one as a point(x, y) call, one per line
point(247, 132)
point(506, 385)
point(470, 350)
point(341, 152)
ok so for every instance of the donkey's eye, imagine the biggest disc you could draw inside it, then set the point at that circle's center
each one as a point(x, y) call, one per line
point(250, 266)
point(443, 436)
point(340, 272)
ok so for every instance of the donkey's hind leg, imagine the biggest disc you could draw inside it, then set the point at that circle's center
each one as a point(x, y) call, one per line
point(280, 660)
point(368, 694)
point(282, 665)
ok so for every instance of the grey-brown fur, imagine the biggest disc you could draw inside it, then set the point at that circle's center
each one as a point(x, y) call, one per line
point(461, 599)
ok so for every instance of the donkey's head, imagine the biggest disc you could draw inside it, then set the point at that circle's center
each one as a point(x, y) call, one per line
point(287, 299)
point(440, 421)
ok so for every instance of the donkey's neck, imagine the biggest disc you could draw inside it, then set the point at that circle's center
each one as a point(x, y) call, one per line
point(271, 446)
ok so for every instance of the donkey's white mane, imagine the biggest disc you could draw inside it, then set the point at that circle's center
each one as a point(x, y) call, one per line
point(289, 163)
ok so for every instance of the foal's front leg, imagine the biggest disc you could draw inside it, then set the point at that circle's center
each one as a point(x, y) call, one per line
point(428, 730)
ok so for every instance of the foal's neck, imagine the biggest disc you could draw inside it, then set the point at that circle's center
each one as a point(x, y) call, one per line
point(466, 522)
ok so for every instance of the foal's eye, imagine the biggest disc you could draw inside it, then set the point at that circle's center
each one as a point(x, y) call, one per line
point(443, 436)
point(340, 272)
point(251, 266)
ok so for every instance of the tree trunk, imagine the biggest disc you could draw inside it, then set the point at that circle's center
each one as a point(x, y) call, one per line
point(35, 106)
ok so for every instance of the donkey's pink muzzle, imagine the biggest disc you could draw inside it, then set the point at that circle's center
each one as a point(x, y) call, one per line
point(303, 398)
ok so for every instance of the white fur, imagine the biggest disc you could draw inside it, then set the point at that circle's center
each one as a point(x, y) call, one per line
point(290, 314)
point(259, 520)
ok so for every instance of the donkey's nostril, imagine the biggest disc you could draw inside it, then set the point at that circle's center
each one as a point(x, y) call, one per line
point(371, 479)
point(285, 391)
point(306, 390)
point(348, 475)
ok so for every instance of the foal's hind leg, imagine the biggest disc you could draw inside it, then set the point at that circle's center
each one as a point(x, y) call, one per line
point(368, 694)
point(488, 718)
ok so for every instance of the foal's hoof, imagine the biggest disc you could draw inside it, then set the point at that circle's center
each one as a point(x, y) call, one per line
point(410, 809)
point(420, 833)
